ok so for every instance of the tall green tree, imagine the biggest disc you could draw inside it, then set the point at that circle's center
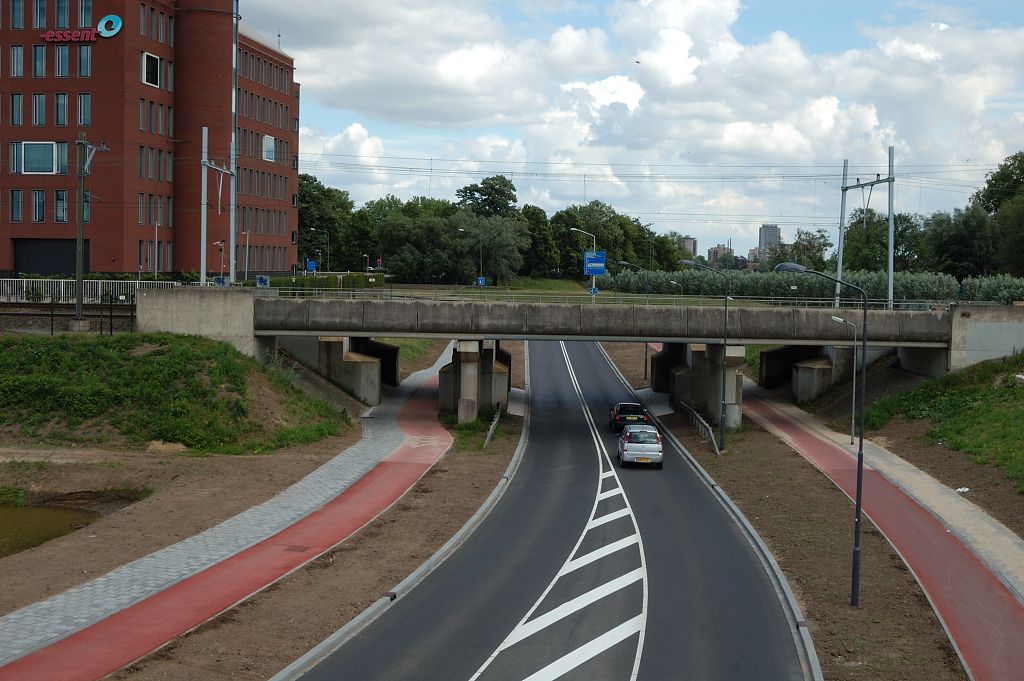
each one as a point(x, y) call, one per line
point(1001, 185)
point(541, 257)
point(866, 242)
point(324, 213)
point(964, 244)
point(809, 248)
point(493, 196)
point(1010, 226)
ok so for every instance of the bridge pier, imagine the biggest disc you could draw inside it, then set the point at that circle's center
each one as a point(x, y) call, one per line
point(478, 379)
point(696, 379)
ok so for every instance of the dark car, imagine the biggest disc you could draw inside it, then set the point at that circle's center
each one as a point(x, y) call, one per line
point(627, 414)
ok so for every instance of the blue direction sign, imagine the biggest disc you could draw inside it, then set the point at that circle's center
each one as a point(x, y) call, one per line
point(262, 281)
point(311, 265)
point(593, 263)
point(593, 291)
point(481, 281)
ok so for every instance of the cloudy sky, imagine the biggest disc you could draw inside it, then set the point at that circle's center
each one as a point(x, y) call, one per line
point(704, 117)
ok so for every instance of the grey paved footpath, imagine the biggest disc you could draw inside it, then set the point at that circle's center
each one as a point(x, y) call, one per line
point(996, 545)
point(40, 624)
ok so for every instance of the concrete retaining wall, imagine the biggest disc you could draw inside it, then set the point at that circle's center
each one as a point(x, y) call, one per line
point(224, 314)
point(983, 332)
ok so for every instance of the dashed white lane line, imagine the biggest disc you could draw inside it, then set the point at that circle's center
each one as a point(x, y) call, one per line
point(607, 518)
point(569, 607)
point(567, 663)
point(598, 554)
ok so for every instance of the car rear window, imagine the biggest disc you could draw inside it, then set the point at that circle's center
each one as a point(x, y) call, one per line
point(630, 409)
point(644, 437)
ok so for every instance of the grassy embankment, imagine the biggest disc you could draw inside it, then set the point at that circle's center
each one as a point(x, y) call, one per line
point(979, 410)
point(124, 391)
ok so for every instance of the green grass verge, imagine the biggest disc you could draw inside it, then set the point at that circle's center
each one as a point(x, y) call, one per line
point(147, 387)
point(557, 285)
point(979, 410)
point(409, 348)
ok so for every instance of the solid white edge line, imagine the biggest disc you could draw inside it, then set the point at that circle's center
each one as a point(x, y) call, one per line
point(567, 663)
point(569, 607)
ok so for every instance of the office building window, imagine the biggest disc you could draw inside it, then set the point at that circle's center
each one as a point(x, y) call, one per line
point(16, 205)
point(142, 161)
point(39, 14)
point(60, 62)
point(17, 61)
point(142, 114)
point(38, 205)
point(142, 19)
point(142, 208)
point(84, 13)
point(60, 205)
point(170, 76)
point(160, 164)
point(60, 108)
point(39, 158)
point(62, 14)
point(17, 14)
point(16, 109)
point(38, 61)
point(84, 61)
point(15, 158)
point(170, 31)
point(170, 211)
point(84, 109)
point(62, 158)
point(150, 69)
point(38, 109)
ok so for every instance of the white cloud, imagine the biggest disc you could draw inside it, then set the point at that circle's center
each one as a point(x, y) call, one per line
point(560, 85)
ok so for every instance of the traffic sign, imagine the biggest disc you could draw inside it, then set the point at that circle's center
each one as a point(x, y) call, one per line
point(481, 281)
point(311, 265)
point(593, 263)
point(593, 291)
point(262, 281)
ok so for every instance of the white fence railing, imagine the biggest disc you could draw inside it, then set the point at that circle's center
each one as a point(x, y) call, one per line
point(63, 290)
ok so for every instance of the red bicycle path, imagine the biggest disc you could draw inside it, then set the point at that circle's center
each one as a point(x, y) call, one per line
point(111, 643)
point(983, 618)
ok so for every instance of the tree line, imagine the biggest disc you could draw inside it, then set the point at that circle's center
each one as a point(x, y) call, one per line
point(485, 233)
point(482, 233)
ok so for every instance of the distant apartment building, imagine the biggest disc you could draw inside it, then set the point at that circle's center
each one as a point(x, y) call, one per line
point(767, 237)
point(689, 243)
point(715, 254)
point(139, 82)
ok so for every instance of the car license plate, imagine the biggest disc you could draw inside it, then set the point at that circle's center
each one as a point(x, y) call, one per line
point(631, 418)
point(643, 459)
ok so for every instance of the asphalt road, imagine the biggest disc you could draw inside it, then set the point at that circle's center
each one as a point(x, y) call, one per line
point(585, 570)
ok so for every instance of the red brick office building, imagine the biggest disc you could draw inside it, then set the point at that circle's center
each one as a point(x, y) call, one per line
point(139, 81)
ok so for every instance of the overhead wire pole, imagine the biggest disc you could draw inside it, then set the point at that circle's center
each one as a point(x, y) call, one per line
point(84, 153)
point(203, 201)
point(842, 228)
point(891, 181)
point(233, 158)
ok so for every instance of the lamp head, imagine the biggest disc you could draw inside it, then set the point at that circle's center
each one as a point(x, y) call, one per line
point(688, 262)
point(796, 268)
point(674, 282)
point(838, 320)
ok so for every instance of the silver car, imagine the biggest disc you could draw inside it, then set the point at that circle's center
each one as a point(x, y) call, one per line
point(640, 444)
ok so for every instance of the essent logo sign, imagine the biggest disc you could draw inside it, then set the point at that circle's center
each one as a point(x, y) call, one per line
point(107, 27)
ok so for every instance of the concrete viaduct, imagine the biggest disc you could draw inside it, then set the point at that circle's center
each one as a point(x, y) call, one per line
point(335, 337)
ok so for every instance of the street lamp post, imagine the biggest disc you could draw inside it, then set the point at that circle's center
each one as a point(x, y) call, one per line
point(855, 570)
point(367, 256)
point(593, 277)
point(671, 281)
point(725, 345)
point(853, 349)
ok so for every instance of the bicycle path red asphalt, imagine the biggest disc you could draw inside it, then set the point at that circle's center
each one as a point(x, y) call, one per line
point(983, 618)
point(132, 633)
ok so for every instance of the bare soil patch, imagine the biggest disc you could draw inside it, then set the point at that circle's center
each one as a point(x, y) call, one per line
point(807, 524)
point(265, 633)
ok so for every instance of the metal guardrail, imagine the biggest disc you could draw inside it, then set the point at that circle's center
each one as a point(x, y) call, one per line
point(96, 290)
point(64, 290)
point(704, 430)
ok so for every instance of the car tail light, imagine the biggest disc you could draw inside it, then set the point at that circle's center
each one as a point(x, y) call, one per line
point(625, 438)
point(658, 435)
